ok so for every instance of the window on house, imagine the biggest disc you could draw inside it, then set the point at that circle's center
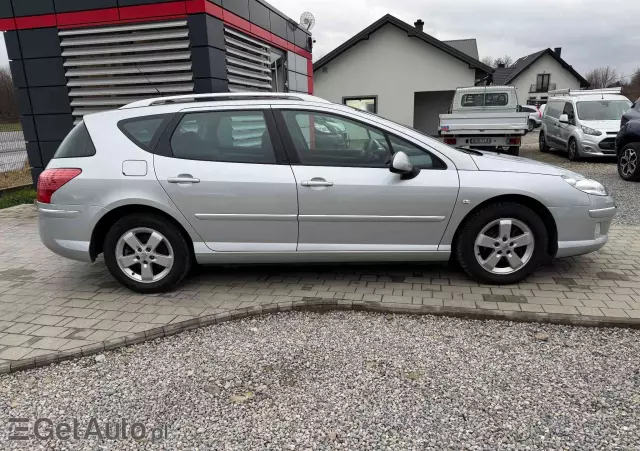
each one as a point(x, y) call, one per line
point(542, 82)
point(369, 104)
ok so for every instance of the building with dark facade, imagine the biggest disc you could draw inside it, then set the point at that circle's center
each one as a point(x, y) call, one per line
point(69, 58)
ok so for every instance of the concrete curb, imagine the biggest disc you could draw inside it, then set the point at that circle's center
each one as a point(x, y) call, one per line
point(318, 305)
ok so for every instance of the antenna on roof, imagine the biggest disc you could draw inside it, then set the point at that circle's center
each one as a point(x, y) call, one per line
point(147, 78)
point(307, 21)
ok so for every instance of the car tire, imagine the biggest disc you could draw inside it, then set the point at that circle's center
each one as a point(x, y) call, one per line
point(479, 246)
point(629, 162)
point(532, 125)
point(573, 153)
point(542, 143)
point(161, 261)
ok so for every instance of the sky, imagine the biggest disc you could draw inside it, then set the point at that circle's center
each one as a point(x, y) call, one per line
point(592, 33)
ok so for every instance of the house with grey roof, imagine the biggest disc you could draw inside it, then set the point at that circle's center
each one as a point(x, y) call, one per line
point(400, 72)
point(536, 74)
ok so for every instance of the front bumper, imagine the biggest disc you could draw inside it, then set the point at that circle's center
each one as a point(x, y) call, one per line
point(584, 229)
point(597, 146)
point(66, 229)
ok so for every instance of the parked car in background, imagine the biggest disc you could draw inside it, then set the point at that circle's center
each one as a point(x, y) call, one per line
point(535, 116)
point(583, 123)
point(628, 150)
point(485, 118)
point(250, 180)
point(631, 114)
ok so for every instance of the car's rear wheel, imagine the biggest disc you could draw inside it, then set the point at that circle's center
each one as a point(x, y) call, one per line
point(146, 253)
point(502, 243)
point(542, 143)
point(573, 152)
point(628, 164)
point(532, 125)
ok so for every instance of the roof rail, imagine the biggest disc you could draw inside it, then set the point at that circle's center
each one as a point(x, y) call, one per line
point(224, 96)
point(584, 92)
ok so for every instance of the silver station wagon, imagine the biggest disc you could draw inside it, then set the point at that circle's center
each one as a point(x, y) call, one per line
point(161, 184)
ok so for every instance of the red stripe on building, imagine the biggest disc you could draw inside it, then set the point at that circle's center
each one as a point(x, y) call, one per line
point(236, 21)
point(310, 75)
point(87, 17)
point(213, 10)
point(47, 20)
point(7, 24)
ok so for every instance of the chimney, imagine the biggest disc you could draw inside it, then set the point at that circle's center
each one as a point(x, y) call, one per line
point(419, 24)
point(558, 51)
point(501, 65)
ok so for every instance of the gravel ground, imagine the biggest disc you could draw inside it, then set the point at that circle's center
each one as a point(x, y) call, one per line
point(348, 380)
point(604, 170)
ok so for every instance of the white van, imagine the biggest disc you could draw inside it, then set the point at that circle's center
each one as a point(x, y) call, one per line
point(584, 123)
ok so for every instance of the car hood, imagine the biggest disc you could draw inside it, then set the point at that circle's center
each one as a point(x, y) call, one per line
point(508, 163)
point(605, 126)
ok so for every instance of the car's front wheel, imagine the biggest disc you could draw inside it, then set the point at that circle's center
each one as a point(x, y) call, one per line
point(542, 142)
point(628, 166)
point(146, 253)
point(502, 243)
point(574, 153)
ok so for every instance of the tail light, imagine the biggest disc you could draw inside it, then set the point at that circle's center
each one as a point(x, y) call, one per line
point(52, 180)
point(540, 113)
point(450, 141)
point(513, 141)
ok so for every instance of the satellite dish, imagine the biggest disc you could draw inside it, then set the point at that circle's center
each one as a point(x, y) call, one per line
point(307, 21)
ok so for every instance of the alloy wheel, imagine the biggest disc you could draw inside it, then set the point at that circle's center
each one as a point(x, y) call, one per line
point(573, 150)
point(144, 255)
point(541, 140)
point(504, 246)
point(628, 162)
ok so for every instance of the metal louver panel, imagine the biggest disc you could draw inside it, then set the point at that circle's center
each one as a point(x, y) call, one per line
point(248, 62)
point(108, 67)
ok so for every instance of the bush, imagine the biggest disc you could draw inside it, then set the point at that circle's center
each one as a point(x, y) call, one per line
point(25, 196)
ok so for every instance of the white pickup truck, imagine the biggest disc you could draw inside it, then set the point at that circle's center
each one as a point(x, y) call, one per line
point(485, 118)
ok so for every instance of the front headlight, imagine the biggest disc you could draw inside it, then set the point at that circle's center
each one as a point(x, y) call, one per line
point(591, 131)
point(586, 185)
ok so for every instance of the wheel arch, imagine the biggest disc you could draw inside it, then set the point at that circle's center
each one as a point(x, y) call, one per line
point(539, 208)
point(111, 217)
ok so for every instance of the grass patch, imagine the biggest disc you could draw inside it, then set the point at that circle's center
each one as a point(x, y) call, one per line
point(11, 127)
point(24, 196)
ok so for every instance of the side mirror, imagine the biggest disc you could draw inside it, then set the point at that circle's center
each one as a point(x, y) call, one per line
point(564, 119)
point(400, 164)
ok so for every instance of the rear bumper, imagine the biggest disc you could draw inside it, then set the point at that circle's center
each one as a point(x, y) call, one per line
point(66, 229)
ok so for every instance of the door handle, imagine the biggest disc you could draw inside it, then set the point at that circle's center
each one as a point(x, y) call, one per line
point(183, 179)
point(312, 183)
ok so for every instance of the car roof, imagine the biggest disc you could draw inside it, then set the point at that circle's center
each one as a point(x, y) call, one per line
point(586, 97)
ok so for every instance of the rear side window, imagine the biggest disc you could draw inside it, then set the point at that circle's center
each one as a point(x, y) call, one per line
point(224, 136)
point(143, 131)
point(77, 144)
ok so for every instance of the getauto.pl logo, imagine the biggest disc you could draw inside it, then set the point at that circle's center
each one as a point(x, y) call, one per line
point(21, 429)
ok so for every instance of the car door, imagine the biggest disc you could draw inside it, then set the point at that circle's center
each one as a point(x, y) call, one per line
point(565, 129)
point(228, 174)
point(552, 124)
point(348, 198)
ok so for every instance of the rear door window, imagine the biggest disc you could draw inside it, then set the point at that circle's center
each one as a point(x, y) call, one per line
point(77, 144)
point(144, 131)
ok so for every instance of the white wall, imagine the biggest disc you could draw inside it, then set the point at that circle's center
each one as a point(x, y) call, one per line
point(393, 67)
point(545, 65)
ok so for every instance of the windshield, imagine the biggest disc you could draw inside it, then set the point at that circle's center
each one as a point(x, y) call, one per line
point(602, 110)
